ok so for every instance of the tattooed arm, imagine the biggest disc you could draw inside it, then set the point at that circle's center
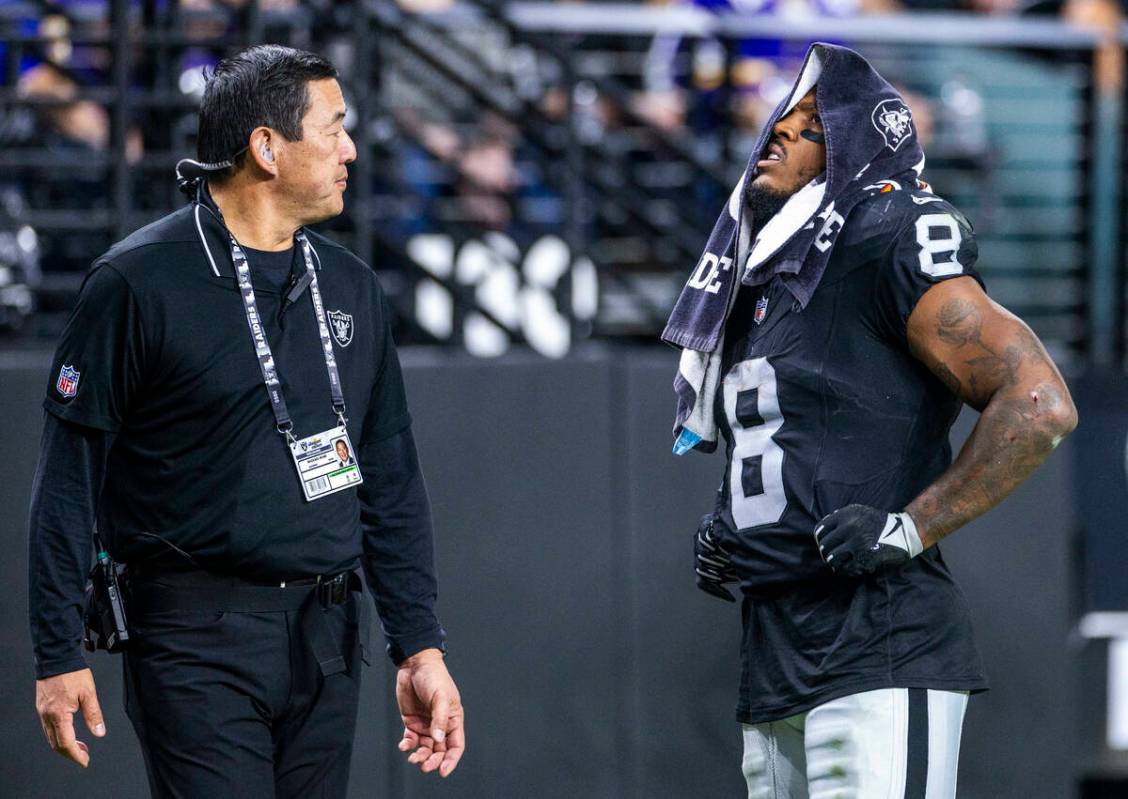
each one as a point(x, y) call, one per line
point(990, 359)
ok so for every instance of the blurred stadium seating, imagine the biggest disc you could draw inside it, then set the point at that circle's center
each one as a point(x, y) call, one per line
point(608, 133)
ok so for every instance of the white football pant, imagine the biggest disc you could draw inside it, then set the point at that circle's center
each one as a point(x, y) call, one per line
point(894, 743)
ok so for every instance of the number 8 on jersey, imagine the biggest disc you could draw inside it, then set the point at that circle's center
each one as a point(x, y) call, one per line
point(756, 473)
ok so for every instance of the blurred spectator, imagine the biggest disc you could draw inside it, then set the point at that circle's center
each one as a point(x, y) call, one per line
point(484, 174)
point(1106, 16)
point(71, 121)
point(68, 124)
point(487, 176)
point(994, 7)
point(665, 110)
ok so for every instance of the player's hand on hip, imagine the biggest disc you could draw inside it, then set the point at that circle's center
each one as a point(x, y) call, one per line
point(712, 561)
point(431, 708)
point(57, 699)
point(857, 540)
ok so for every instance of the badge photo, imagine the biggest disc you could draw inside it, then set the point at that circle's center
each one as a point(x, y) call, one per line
point(325, 463)
point(67, 384)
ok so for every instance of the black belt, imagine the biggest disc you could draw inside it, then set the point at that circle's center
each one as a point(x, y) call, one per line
point(203, 592)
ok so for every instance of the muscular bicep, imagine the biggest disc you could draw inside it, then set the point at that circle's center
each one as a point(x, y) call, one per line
point(977, 347)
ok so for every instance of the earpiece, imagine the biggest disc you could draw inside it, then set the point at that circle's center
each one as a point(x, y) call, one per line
point(266, 153)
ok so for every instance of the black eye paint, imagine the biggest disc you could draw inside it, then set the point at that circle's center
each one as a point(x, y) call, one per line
point(815, 136)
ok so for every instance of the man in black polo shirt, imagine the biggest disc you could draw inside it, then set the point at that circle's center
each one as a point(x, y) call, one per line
point(193, 411)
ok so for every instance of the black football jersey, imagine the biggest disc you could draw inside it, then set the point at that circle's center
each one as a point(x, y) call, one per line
point(825, 406)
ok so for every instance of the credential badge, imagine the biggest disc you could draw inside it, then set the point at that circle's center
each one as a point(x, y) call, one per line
point(894, 121)
point(67, 384)
point(342, 325)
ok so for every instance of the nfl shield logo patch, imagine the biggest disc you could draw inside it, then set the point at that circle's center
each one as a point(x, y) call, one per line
point(67, 384)
point(761, 310)
point(341, 324)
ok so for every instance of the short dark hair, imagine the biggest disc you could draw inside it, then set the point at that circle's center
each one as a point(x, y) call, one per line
point(265, 85)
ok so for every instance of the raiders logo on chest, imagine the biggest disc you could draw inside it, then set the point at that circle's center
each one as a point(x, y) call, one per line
point(341, 326)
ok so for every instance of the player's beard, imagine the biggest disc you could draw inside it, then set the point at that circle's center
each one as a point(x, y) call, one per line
point(762, 204)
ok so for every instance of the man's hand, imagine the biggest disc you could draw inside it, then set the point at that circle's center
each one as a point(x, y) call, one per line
point(713, 564)
point(56, 700)
point(857, 541)
point(432, 713)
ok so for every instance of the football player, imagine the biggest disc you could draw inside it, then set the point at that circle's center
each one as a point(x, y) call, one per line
point(852, 329)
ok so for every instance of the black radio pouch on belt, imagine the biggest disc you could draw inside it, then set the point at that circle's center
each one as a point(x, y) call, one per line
point(104, 608)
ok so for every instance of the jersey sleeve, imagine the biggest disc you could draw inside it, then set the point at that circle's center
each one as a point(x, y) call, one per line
point(99, 361)
point(935, 243)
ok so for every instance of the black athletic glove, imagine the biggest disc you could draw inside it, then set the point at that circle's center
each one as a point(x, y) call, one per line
point(713, 565)
point(857, 540)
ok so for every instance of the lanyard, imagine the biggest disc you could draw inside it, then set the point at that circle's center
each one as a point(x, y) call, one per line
point(282, 419)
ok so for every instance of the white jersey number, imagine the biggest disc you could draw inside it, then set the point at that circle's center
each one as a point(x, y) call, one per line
point(939, 235)
point(756, 477)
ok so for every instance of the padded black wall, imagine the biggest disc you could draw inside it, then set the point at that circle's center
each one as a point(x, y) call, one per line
point(589, 663)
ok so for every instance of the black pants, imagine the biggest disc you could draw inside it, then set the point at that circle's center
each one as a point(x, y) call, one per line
point(235, 704)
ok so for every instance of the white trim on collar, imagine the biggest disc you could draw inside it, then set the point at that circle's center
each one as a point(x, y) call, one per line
point(204, 241)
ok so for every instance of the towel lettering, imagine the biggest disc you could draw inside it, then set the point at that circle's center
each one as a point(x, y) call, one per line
point(707, 274)
point(832, 224)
